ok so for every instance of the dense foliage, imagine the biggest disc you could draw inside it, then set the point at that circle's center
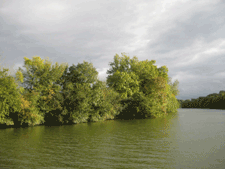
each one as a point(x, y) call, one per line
point(211, 101)
point(144, 87)
point(58, 94)
point(9, 98)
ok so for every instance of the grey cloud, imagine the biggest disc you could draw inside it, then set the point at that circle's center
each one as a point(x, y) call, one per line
point(186, 36)
point(202, 25)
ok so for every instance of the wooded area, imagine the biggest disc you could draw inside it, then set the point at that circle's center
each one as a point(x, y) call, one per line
point(58, 94)
point(211, 101)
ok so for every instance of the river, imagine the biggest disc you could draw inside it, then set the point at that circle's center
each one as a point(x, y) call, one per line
point(192, 138)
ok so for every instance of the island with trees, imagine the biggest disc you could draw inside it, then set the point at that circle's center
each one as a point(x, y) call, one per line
point(46, 94)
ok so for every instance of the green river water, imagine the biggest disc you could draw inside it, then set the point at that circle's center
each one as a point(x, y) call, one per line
point(192, 138)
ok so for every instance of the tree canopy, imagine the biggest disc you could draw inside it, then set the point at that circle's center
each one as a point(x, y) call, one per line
point(211, 101)
point(57, 94)
point(143, 83)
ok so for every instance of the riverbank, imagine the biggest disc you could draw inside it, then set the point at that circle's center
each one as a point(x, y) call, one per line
point(4, 126)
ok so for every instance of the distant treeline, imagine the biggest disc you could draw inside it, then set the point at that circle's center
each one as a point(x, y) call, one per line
point(58, 94)
point(211, 101)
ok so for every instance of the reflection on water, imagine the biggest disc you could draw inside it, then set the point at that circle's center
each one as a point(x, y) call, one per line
point(193, 138)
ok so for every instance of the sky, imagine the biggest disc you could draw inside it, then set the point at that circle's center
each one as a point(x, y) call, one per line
point(188, 36)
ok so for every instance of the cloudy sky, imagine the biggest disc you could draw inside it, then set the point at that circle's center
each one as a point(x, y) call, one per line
point(188, 36)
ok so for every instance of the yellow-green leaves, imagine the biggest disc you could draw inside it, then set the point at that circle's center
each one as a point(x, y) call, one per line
point(40, 77)
point(122, 64)
point(125, 83)
point(163, 72)
point(104, 102)
point(174, 87)
point(130, 76)
point(19, 75)
point(37, 62)
point(74, 94)
point(29, 111)
point(9, 96)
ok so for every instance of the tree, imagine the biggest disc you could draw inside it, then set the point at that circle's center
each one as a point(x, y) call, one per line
point(121, 64)
point(9, 98)
point(172, 103)
point(174, 86)
point(129, 75)
point(159, 96)
point(150, 92)
point(77, 91)
point(40, 77)
point(83, 73)
point(58, 94)
point(104, 102)
point(125, 83)
point(211, 101)
point(30, 113)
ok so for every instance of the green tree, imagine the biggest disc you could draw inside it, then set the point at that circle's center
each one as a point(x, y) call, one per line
point(174, 86)
point(121, 64)
point(172, 103)
point(125, 83)
point(104, 102)
point(150, 94)
point(10, 102)
point(159, 96)
point(211, 101)
point(76, 84)
point(30, 113)
point(40, 77)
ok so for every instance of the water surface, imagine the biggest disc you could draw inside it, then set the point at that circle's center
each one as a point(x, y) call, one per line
point(193, 138)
